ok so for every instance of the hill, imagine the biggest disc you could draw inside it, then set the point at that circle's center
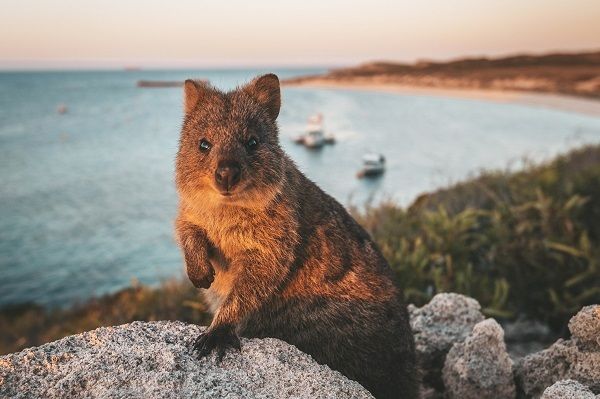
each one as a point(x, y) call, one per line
point(575, 74)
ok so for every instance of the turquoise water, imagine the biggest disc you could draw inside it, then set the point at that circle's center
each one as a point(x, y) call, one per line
point(87, 198)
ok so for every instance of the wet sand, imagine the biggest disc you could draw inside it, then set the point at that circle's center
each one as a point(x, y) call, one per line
point(545, 100)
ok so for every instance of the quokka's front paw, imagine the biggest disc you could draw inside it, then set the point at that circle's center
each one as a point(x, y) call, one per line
point(202, 281)
point(200, 272)
point(219, 338)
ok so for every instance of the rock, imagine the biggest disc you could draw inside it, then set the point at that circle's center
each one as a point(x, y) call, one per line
point(563, 360)
point(480, 366)
point(524, 336)
point(447, 319)
point(577, 359)
point(153, 360)
point(585, 328)
point(568, 389)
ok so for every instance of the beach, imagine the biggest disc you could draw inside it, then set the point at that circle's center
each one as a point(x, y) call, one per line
point(582, 105)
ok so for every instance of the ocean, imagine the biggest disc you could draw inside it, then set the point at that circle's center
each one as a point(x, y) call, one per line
point(87, 198)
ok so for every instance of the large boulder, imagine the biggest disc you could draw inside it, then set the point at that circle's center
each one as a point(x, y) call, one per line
point(568, 389)
point(577, 359)
point(154, 360)
point(447, 319)
point(480, 366)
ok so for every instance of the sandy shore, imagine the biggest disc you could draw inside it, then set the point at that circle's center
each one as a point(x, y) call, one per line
point(555, 101)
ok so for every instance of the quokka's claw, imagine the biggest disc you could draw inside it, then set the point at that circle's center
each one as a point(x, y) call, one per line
point(198, 342)
point(219, 338)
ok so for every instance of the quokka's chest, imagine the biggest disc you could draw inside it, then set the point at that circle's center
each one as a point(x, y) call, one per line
point(237, 233)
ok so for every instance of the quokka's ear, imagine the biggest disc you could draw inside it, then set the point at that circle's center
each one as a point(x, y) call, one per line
point(265, 89)
point(193, 92)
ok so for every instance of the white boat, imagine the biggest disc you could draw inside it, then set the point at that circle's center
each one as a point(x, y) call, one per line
point(373, 165)
point(314, 139)
point(315, 136)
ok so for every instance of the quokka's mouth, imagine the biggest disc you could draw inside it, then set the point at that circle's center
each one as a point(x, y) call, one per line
point(232, 193)
point(229, 194)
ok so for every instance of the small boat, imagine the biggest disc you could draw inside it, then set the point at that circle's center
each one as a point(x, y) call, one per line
point(61, 109)
point(373, 165)
point(315, 136)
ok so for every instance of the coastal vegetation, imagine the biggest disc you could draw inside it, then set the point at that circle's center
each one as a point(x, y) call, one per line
point(27, 325)
point(524, 244)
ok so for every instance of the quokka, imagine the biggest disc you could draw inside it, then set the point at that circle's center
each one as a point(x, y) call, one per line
point(277, 256)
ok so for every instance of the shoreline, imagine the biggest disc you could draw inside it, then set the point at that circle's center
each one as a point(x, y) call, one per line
point(560, 102)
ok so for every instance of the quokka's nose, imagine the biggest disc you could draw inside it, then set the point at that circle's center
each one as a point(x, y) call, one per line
point(228, 174)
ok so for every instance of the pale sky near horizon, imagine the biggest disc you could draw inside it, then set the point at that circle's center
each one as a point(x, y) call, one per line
point(208, 33)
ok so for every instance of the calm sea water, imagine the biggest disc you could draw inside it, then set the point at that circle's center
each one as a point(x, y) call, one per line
point(87, 198)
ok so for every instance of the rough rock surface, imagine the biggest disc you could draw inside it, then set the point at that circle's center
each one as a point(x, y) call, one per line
point(562, 360)
point(568, 389)
point(573, 359)
point(447, 319)
point(153, 360)
point(585, 327)
point(480, 366)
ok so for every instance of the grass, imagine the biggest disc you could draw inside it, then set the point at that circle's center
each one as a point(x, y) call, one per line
point(525, 243)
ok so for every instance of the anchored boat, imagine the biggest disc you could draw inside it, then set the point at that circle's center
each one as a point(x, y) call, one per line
point(315, 136)
point(373, 165)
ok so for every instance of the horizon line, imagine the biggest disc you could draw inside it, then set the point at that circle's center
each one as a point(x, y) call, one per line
point(29, 65)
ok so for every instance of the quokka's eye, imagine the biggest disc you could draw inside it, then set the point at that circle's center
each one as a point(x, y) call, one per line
point(252, 143)
point(204, 145)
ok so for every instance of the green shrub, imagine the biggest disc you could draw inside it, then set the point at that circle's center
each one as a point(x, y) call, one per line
point(522, 244)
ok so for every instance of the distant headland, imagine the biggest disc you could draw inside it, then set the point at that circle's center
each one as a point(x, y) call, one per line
point(519, 78)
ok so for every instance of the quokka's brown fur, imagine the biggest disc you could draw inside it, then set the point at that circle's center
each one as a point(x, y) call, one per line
point(279, 257)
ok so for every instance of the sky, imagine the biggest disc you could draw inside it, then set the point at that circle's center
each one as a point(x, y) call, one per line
point(234, 33)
